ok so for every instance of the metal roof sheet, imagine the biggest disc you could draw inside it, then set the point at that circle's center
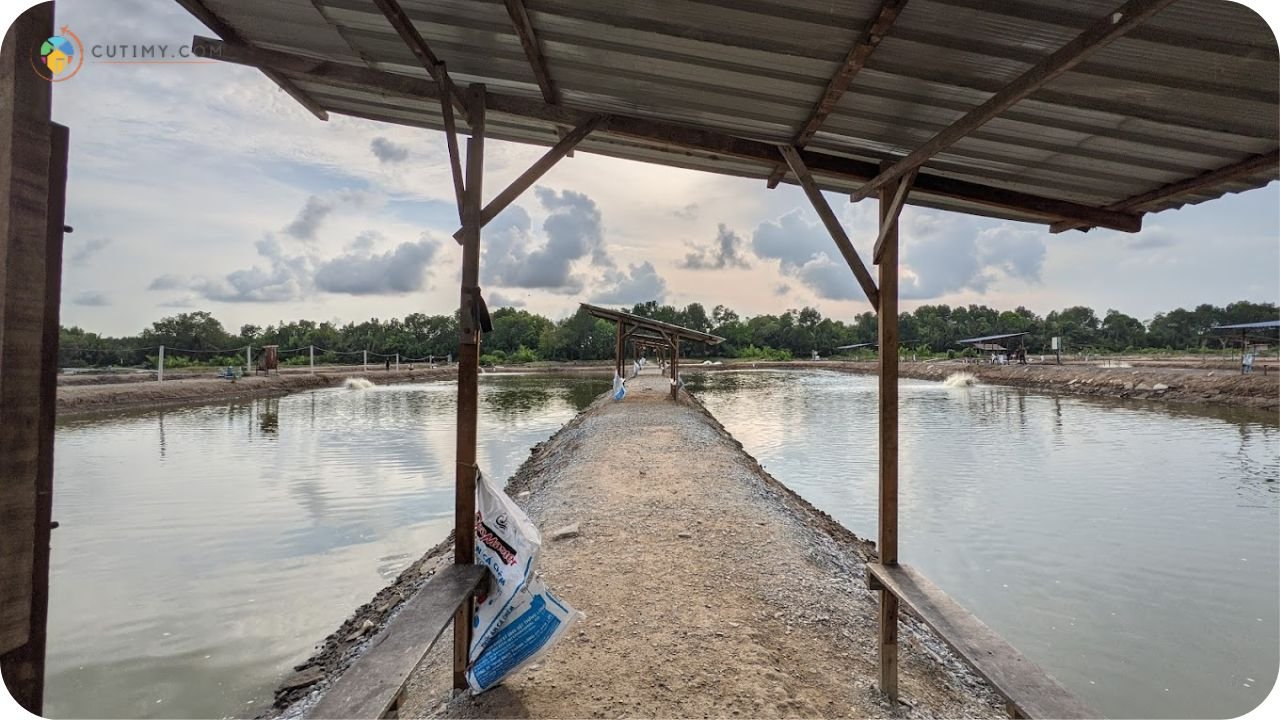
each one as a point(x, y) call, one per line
point(1189, 92)
point(655, 326)
point(991, 337)
point(1265, 324)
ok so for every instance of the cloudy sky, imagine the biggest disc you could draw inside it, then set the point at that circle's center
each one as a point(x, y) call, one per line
point(205, 187)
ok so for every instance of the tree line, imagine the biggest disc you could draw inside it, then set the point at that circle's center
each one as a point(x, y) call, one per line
point(522, 336)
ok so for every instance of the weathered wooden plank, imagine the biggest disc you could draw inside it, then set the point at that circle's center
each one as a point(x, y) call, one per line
point(1094, 38)
point(1028, 689)
point(24, 190)
point(24, 666)
point(670, 134)
point(798, 168)
point(373, 682)
point(1249, 166)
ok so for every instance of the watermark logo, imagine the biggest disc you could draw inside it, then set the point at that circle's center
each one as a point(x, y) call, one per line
point(60, 57)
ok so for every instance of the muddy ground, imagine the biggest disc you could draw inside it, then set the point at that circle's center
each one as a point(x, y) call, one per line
point(710, 590)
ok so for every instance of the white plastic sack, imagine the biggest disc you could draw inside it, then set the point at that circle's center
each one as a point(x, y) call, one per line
point(538, 619)
point(619, 387)
point(507, 543)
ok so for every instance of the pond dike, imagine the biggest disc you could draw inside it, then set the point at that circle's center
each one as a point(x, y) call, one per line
point(1223, 387)
point(709, 588)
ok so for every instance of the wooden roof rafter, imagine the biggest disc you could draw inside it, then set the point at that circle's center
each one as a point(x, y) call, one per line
point(413, 39)
point(1094, 38)
point(202, 13)
point(854, 61)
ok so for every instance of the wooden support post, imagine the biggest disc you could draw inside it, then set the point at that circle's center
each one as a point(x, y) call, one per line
point(32, 178)
point(617, 352)
point(464, 515)
point(675, 368)
point(160, 366)
point(311, 358)
point(888, 450)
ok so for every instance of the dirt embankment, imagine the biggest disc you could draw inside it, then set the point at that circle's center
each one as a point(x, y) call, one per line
point(83, 394)
point(710, 590)
point(1173, 384)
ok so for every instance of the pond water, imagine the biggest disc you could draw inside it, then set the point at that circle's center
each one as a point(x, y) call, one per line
point(1132, 550)
point(204, 551)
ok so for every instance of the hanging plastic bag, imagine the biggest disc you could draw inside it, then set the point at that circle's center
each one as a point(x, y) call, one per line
point(537, 621)
point(507, 542)
point(619, 387)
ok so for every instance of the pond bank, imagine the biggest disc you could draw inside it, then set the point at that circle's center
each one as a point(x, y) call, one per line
point(686, 616)
point(87, 395)
point(1171, 384)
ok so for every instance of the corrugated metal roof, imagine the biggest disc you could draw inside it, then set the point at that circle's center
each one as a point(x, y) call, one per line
point(657, 327)
point(1189, 92)
point(992, 337)
point(1265, 324)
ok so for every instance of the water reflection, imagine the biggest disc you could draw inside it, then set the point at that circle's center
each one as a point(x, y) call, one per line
point(1128, 547)
point(203, 551)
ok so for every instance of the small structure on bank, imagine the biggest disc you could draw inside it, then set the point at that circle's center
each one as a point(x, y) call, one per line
point(639, 332)
point(1002, 348)
point(1254, 338)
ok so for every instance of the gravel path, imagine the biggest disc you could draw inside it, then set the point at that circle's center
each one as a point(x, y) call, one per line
point(710, 590)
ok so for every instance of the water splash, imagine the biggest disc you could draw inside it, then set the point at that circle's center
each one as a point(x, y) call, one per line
point(960, 379)
point(357, 384)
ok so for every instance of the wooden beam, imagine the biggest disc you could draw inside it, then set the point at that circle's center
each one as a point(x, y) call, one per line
point(1029, 691)
point(373, 683)
point(1094, 38)
point(890, 222)
point(529, 40)
point(25, 102)
point(887, 542)
point(404, 27)
point(537, 170)
point(215, 23)
point(670, 134)
point(854, 61)
point(464, 537)
point(1249, 166)
point(451, 141)
point(798, 168)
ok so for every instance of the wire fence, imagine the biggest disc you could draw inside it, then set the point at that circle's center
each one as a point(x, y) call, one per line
point(165, 358)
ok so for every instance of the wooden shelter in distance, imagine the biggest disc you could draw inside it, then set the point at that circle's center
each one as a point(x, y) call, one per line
point(643, 331)
point(992, 343)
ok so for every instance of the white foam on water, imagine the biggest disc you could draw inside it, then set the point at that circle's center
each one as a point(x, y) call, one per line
point(357, 384)
point(960, 379)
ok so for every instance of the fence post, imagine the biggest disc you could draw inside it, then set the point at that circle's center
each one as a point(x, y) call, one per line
point(248, 359)
point(366, 361)
point(397, 362)
point(160, 366)
point(311, 354)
